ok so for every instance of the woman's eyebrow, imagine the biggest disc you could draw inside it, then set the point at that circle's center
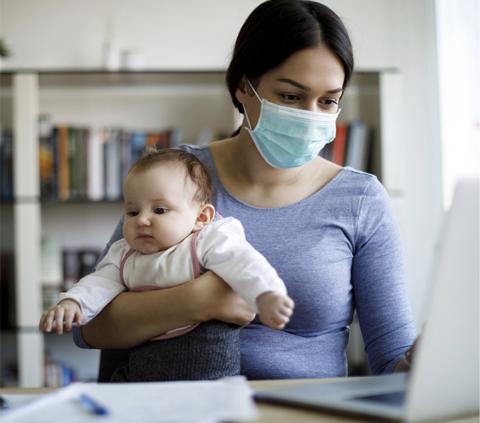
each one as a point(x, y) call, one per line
point(294, 83)
point(335, 91)
point(305, 88)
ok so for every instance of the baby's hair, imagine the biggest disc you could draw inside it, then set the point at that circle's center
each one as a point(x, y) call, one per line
point(195, 169)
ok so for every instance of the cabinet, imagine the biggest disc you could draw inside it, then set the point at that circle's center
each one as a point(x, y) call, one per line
point(197, 102)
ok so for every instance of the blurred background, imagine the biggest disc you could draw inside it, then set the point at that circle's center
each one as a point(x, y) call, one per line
point(85, 86)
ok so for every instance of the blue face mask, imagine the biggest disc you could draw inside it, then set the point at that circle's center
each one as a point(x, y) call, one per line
point(287, 137)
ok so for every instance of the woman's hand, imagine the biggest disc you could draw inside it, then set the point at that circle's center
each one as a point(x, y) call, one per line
point(216, 300)
point(405, 363)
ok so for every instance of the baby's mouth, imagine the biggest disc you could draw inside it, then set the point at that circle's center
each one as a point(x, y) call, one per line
point(144, 236)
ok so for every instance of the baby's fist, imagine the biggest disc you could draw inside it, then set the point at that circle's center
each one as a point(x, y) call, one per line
point(275, 309)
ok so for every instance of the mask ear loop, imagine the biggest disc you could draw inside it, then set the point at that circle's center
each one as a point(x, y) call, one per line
point(244, 108)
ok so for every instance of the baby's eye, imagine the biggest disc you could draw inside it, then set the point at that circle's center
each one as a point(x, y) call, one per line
point(160, 210)
point(131, 213)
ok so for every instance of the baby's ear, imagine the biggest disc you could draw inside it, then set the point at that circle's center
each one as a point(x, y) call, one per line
point(206, 214)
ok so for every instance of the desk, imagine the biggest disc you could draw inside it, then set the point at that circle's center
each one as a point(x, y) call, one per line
point(272, 413)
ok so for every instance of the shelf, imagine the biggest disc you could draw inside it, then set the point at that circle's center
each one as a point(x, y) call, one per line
point(99, 77)
point(148, 99)
point(55, 202)
point(96, 77)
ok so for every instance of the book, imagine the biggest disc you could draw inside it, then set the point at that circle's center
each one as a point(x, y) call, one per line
point(63, 163)
point(6, 164)
point(73, 144)
point(358, 146)
point(51, 262)
point(87, 259)
point(137, 143)
point(112, 182)
point(125, 153)
point(46, 157)
point(46, 163)
point(71, 268)
point(82, 161)
point(94, 159)
point(339, 144)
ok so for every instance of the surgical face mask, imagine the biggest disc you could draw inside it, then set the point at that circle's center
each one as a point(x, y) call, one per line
point(287, 137)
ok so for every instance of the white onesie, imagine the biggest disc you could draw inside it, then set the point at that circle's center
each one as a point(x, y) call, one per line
point(221, 247)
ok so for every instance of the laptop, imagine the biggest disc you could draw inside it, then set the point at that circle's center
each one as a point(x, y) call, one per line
point(443, 381)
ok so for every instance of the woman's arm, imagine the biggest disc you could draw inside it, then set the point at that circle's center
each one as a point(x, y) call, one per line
point(135, 317)
point(378, 279)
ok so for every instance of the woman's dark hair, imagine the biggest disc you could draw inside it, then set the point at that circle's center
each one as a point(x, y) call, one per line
point(278, 28)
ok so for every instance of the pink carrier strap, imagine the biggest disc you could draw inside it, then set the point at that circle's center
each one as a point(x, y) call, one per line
point(122, 263)
point(197, 271)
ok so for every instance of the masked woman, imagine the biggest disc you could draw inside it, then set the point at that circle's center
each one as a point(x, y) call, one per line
point(328, 230)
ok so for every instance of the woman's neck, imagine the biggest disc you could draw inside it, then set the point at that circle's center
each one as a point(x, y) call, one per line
point(246, 163)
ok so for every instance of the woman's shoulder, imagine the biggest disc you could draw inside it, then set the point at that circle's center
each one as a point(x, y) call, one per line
point(353, 193)
point(350, 183)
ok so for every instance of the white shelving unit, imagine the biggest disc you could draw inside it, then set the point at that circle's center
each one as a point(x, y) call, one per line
point(144, 100)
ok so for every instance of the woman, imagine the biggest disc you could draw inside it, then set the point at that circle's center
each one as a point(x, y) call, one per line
point(328, 231)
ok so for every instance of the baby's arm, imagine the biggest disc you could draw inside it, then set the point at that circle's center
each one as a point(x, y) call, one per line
point(223, 248)
point(89, 295)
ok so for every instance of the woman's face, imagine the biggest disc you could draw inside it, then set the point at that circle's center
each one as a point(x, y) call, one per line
point(310, 79)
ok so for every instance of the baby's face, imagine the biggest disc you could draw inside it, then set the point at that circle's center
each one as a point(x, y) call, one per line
point(159, 208)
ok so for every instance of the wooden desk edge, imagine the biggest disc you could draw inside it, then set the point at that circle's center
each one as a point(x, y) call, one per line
point(267, 413)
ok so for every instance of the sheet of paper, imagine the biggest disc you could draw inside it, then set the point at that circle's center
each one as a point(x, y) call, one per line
point(18, 400)
point(210, 401)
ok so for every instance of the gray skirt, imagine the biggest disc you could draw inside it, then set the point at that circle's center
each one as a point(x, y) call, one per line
point(210, 351)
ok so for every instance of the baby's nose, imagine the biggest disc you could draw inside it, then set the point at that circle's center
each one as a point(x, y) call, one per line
point(143, 219)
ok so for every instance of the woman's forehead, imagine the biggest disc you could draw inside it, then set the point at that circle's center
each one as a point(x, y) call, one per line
point(310, 67)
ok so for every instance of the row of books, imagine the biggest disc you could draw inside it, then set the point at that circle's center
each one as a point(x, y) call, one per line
point(58, 374)
point(78, 163)
point(352, 146)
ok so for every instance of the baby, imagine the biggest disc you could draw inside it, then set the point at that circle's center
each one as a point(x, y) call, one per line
point(170, 235)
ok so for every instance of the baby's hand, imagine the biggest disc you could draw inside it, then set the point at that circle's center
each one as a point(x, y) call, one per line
point(62, 315)
point(275, 309)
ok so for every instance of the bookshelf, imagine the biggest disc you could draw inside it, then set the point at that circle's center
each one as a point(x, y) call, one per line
point(195, 101)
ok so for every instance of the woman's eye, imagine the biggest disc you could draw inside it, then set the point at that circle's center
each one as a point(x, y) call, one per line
point(329, 103)
point(289, 98)
point(160, 210)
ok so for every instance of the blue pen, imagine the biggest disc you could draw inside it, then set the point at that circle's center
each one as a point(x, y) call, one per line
point(92, 406)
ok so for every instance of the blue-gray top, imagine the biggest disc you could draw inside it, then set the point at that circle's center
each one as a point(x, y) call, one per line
point(337, 251)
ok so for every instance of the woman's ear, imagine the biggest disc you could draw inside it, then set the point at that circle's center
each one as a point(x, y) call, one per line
point(205, 215)
point(242, 91)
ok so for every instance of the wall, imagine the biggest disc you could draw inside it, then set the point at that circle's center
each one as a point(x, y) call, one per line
point(169, 33)
point(200, 34)
point(458, 30)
